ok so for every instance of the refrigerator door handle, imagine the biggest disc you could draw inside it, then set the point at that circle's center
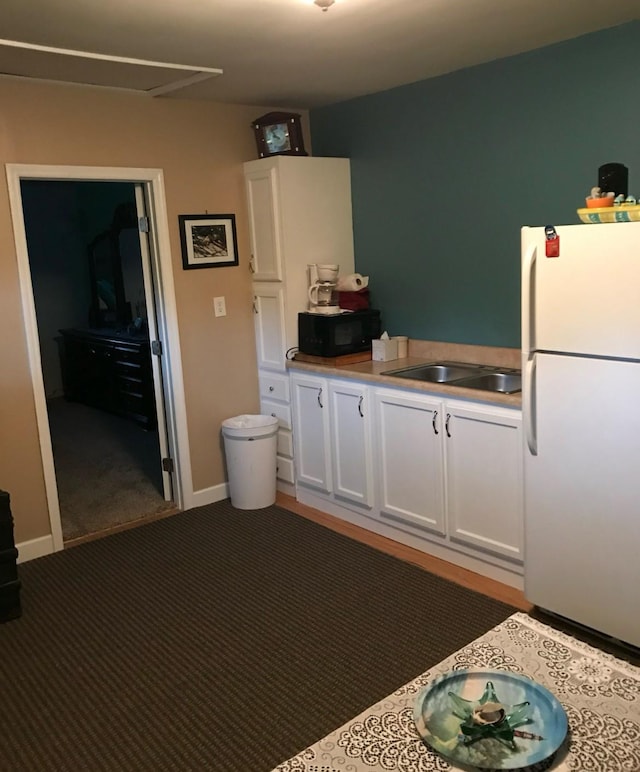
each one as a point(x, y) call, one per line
point(528, 298)
point(529, 405)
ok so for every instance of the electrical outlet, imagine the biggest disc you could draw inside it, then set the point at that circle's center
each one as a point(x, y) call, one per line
point(219, 306)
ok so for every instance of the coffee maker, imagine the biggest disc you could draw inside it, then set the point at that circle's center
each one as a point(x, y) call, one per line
point(322, 292)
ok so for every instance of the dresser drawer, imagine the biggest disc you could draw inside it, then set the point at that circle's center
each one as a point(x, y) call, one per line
point(282, 412)
point(274, 387)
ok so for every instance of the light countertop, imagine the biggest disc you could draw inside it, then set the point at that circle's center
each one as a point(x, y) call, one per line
point(422, 352)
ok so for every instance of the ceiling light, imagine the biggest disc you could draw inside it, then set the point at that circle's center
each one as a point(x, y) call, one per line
point(324, 4)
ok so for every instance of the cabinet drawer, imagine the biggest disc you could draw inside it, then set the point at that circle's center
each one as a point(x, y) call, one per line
point(283, 412)
point(274, 387)
point(285, 443)
point(285, 469)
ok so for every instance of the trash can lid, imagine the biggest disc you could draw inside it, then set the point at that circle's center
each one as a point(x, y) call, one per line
point(250, 425)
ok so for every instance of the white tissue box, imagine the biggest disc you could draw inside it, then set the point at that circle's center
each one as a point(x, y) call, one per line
point(384, 350)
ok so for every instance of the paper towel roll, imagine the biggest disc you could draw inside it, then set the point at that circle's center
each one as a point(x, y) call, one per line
point(352, 283)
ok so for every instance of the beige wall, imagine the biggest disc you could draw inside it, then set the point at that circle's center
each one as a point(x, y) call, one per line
point(200, 146)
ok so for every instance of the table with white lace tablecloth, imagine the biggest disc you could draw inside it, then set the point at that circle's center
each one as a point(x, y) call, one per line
point(599, 693)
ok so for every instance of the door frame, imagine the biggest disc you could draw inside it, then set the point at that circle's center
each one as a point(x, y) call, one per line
point(152, 181)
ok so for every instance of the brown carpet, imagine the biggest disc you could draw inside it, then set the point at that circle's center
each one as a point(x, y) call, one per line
point(215, 639)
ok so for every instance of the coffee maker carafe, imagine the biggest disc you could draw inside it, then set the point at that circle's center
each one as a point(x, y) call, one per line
point(322, 293)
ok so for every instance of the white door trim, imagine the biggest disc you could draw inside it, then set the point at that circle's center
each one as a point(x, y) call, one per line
point(167, 318)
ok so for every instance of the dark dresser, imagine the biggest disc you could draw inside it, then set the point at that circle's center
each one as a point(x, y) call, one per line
point(110, 371)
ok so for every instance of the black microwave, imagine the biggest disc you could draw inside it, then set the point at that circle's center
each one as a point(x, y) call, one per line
point(337, 334)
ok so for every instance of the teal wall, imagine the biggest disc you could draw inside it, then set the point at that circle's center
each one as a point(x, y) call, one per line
point(446, 171)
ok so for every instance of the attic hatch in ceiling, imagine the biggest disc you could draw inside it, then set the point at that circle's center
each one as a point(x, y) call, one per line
point(60, 65)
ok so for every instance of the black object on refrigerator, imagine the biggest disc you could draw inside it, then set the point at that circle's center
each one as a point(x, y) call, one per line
point(614, 178)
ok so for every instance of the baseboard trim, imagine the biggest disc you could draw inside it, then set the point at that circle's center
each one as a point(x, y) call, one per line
point(35, 548)
point(209, 495)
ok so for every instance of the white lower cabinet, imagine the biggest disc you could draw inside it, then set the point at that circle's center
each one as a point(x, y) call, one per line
point(332, 436)
point(483, 448)
point(275, 401)
point(351, 451)
point(448, 471)
point(312, 439)
point(452, 468)
point(410, 464)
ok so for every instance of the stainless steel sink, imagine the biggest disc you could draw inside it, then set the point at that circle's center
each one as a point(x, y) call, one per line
point(482, 377)
point(505, 383)
point(438, 372)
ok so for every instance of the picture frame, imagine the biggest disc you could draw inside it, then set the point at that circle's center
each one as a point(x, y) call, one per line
point(208, 240)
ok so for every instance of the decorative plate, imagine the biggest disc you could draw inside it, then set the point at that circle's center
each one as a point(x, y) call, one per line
point(490, 719)
point(610, 214)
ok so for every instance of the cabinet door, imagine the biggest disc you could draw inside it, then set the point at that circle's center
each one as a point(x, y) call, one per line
point(484, 477)
point(268, 317)
point(264, 224)
point(351, 442)
point(311, 432)
point(410, 464)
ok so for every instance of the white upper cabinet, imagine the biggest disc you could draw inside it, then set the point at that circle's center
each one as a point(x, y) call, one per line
point(264, 224)
point(269, 322)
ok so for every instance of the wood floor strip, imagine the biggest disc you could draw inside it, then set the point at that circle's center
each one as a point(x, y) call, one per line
point(449, 571)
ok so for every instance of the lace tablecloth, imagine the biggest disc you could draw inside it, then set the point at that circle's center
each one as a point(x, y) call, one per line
point(600, 694)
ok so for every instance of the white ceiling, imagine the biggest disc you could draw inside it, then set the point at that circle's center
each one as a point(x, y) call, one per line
point(284, 53)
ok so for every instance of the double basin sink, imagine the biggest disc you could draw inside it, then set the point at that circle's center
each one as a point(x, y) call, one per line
point(484, 377)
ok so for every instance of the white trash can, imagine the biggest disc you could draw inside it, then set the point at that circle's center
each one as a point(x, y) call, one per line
point(250, 446)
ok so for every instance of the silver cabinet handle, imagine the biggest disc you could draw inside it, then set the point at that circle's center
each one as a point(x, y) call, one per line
point(255, 307)
point(433, 422)
point(320, 397)
point(446, 424)
point(251, 268)
point(360, 406)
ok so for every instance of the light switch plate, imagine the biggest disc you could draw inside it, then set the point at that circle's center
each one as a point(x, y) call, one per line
point(219, 306)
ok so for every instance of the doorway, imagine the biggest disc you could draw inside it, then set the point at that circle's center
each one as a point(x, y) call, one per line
point(94, 335)
point(151, 310)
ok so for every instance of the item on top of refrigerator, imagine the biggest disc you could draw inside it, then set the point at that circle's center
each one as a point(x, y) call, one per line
point(598, 198)
point(624, 213)
point(614, 177)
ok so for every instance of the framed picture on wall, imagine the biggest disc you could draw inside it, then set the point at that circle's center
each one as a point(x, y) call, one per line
point(208, 240)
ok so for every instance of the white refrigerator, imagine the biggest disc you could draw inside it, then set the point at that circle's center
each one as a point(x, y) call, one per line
point(581, 412)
